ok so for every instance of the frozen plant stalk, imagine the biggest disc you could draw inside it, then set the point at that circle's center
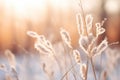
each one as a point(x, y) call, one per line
point(88, 41)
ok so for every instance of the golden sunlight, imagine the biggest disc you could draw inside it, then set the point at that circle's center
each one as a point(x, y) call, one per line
point(112, 6)
point(21, 15)
point(43, 16)
point(25, 7)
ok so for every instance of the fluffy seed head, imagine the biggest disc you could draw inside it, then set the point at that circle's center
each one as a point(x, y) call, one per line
point(89, 20)
point(77, 56)
point(80, 25)
point(83, 71)
point(32, 34)
point(99, 29)
point(66, 37)
point(102, 46)
point(42, 44)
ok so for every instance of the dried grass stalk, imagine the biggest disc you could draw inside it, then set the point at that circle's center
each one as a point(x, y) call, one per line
point(11, 58)
point(66, 37)
point(77, 56)
point(83, 71)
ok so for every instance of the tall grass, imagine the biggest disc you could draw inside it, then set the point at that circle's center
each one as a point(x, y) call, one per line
point(87, 42)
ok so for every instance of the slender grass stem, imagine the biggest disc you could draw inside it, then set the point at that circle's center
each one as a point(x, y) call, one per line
point(87, 66)
point(93, 68)
point(101, 65)
point(58, 63)
point(68, 71)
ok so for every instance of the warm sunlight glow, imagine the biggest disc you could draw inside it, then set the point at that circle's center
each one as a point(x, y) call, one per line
point(21, 15)
point(63, 4)
point(28, 7)
point(112, 6)
point(25, 7)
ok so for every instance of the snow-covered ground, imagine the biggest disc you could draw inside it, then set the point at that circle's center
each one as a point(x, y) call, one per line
point(37, 66)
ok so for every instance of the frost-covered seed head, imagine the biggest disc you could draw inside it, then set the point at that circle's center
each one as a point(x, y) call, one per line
point(77, 56)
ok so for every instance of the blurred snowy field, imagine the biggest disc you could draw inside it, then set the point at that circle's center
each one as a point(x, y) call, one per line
point(35, 66)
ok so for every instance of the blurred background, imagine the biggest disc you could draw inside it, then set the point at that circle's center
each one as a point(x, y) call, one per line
point(48, 16)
